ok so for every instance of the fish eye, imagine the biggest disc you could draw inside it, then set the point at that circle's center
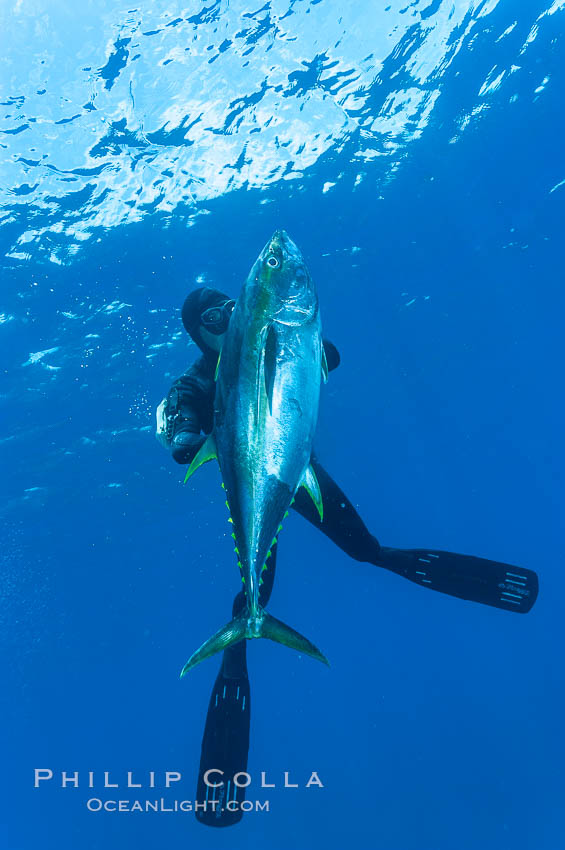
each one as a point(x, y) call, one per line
point(273, 262)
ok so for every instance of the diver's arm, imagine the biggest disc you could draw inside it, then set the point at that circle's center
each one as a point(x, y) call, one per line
point(332, 355)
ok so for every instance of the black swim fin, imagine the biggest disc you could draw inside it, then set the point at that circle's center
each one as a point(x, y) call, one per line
point(465, 576)
point(225, 743)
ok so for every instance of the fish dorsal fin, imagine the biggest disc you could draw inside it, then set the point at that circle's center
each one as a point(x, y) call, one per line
point(310, 483)
point(206, 452)
point(325, 370)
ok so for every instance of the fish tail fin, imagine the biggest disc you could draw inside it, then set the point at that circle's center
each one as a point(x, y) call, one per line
point(230, 634)
point(278, 631)
point(245, 626)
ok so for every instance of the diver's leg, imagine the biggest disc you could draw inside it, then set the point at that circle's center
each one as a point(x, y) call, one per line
point(341, 523)
point(464, 576)
point(225, 743)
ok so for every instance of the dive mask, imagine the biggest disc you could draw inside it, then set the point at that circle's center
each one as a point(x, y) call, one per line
point(216, 319)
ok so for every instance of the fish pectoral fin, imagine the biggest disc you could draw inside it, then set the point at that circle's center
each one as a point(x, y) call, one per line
point(270, 364)
point(206, 452)
point(310, 484)
point(262, 625)
point(325, 370)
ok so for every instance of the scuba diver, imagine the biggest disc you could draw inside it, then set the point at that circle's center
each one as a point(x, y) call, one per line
point(184, 419)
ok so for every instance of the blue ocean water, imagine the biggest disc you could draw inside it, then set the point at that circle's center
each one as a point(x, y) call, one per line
point(414, 152)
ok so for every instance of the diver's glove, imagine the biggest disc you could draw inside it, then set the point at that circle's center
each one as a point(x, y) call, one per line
point(465, 576)
point(178, 429)
point(185, 444)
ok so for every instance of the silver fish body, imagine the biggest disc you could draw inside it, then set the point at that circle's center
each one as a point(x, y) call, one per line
point(267, 399)
point(265, 415)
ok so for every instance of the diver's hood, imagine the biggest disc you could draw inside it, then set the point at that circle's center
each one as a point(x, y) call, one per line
point(192, 309)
